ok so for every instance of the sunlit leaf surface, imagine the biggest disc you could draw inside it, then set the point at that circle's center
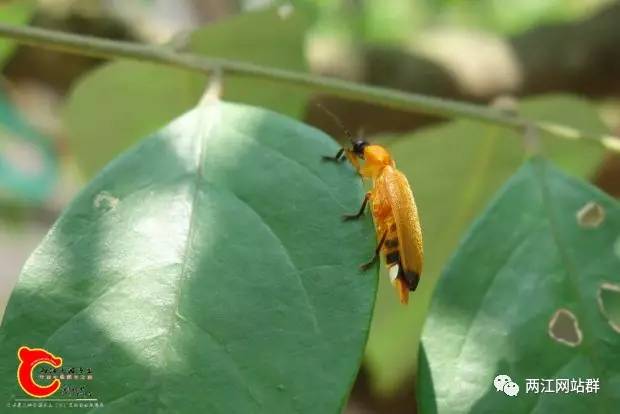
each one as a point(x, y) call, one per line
point(207, 267)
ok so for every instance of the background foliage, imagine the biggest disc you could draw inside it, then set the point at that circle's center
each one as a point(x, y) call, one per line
point(63, 119)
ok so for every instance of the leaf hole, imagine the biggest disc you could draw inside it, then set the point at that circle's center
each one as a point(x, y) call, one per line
point(105, 201)
point(591, 215)
point(609, 303)
point(564, 328)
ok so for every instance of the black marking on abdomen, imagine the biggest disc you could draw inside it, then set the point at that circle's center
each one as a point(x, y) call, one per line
point(410, 278)
point(391, 244)
point(392, 257)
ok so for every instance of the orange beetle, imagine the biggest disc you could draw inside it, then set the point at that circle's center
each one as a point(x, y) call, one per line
point(394, 213)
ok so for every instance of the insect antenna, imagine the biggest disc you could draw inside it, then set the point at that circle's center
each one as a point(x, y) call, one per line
point(337, 121)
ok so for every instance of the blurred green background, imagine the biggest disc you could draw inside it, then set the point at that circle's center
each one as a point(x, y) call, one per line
point(62, 117)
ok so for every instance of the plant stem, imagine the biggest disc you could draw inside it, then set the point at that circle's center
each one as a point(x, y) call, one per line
point(110, 49)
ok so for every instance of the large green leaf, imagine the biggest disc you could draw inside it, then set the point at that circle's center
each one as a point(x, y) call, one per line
point(112, 107)
point(206, 269)
point(454, 170)
point(15, 12)
point(530, 255)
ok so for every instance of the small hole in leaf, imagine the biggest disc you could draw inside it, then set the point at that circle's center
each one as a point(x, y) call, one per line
point(564, 328)
point(591, 215)
point(105, 201)
point(609, 304)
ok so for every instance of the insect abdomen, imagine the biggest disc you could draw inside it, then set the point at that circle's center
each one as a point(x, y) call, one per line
point(393, 260)
point(390, 247)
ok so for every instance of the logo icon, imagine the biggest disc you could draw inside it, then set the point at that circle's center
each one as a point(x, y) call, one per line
point(504, 383)
point(49, 383)
point(29, 358)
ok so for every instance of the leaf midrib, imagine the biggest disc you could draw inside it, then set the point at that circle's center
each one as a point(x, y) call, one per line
point(212, 114)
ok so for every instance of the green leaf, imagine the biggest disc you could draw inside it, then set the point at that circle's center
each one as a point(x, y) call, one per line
point(266, 38)
point(112, 107)
point(16, 12)
point(529, 256)
point(454, 169)
point(28, 162)
point(130, 99)
point(207, 267)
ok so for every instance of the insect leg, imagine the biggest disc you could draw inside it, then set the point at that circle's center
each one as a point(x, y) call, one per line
point(343, 154)
point(336, 158)
point(374, 259)
point(360, 213)
point(353, 160)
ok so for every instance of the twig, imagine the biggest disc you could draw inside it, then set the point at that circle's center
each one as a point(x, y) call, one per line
point(110, 49)
point(213, 91)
